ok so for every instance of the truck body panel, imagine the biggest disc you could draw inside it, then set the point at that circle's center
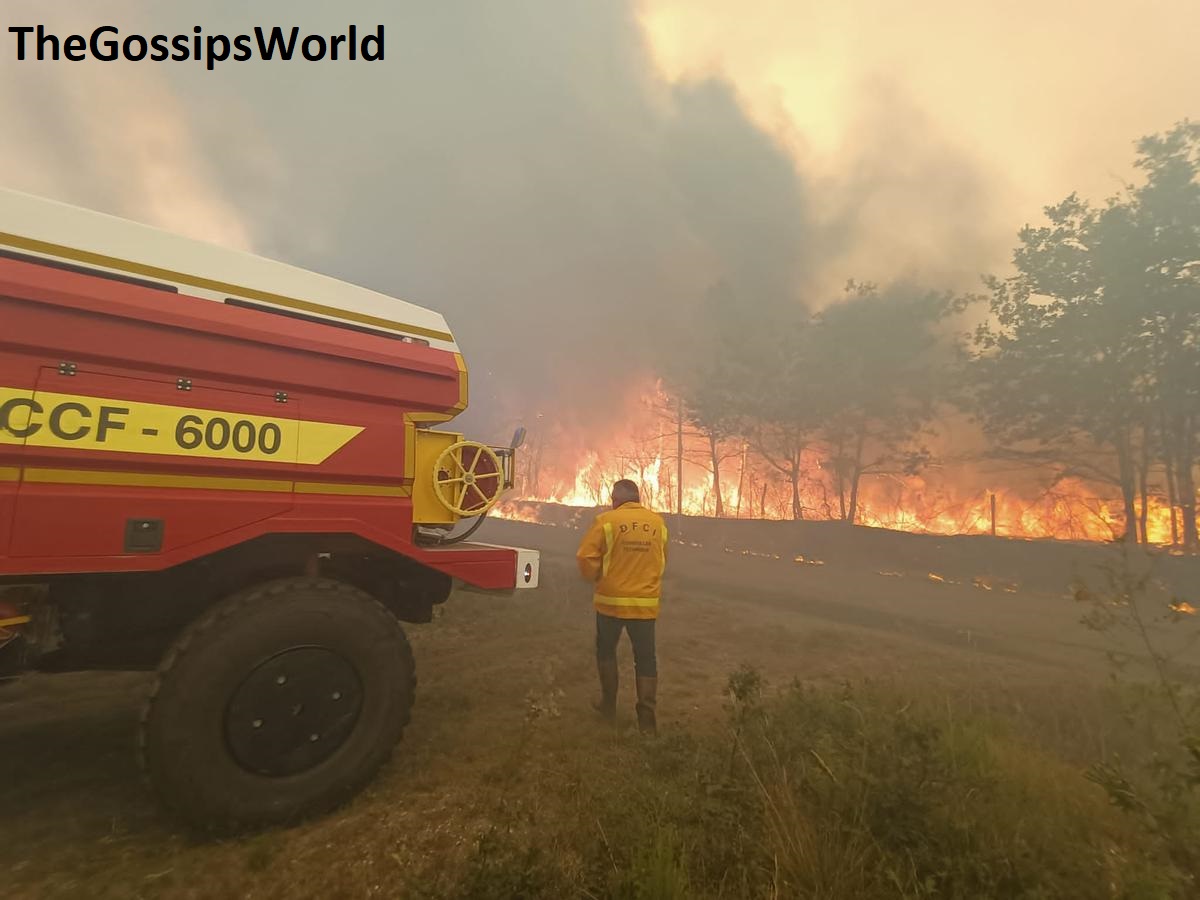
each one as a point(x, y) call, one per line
point(132, 403)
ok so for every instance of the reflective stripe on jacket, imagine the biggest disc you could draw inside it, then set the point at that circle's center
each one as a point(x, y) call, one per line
point(624, 553)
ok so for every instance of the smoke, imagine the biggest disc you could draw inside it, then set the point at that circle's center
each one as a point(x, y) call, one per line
point(524, 168)
point(98, 137)
point(916, 206)
point(741, 195)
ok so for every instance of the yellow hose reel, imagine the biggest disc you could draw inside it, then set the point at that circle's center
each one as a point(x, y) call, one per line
point(468, 478)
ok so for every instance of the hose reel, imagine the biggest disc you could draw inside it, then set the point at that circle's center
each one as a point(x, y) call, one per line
point(468, 478)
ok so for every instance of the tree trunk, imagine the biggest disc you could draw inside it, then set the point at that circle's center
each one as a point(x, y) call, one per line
point(1125, 472)
point(1143, 513)
point(1187, 503)
point(826, 507)
point(839, 468)
point(1168, 458)
point(1185, 469)
point(794, 473)
point(535, 470)
point(855, 477)
point(1191, 540)
point(716, 482)
point(1143, 485)
point(1179, 438)
point(679, 470)
point(762, 503)
point(741, 480)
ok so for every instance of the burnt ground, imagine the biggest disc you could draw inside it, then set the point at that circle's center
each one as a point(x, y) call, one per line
point(504, 686)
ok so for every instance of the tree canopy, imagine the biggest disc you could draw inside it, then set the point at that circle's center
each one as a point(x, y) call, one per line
point(1086, 364)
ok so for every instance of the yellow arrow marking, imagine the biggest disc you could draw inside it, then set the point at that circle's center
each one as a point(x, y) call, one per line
point(82, 422)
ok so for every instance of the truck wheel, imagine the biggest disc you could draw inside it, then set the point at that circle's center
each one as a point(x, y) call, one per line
point(281, 702)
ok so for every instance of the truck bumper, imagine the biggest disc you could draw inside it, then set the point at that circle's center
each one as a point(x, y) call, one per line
point(526, 569)
point(488, 568)
point(527, 565)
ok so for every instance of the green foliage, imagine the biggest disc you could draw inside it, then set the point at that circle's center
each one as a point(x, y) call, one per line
point(1089, 362)
point(1160, 789)
point(853, 792)
point(881, 364)
point(658, 872)
point(1092, 358)
point(862, 377)
point(501, 867)
point(879, 797)
point(745, 688)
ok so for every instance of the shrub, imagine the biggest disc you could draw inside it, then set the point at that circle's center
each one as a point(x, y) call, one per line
point(856, 792)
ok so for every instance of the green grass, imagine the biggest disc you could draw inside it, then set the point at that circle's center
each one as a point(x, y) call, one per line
point(860, 791)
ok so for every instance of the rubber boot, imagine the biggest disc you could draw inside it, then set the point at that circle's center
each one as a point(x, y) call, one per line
point(607, 704)
point(647, 692)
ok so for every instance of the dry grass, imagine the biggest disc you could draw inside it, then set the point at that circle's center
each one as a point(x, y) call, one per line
point(962, 774)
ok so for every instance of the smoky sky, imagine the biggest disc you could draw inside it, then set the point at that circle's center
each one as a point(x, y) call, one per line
point(522, 167)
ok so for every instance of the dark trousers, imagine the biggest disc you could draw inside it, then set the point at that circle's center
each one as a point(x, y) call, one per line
point(641, 635)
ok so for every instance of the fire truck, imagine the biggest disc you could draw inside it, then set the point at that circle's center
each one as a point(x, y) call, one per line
point(225, 469)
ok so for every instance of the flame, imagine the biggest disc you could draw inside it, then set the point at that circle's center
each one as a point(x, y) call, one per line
point(939, 501)
point(516, 513)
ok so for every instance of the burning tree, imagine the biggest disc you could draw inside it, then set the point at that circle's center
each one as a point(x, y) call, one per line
point(1092, 360)
point(740, 377)
point(1166, 222)
point(1086, 375)
point(879, 367)
point(860, 381)
point(780, 400)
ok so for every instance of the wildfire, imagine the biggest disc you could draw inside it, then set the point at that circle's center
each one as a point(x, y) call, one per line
point(751, 486)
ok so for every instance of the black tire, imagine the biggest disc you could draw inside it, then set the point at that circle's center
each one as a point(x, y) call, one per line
point(196, 746)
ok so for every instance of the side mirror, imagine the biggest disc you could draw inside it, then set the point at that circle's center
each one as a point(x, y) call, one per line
point(518, 438)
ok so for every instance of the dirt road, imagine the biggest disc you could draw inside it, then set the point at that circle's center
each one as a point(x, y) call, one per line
point(499, 677)
point(1009, 599)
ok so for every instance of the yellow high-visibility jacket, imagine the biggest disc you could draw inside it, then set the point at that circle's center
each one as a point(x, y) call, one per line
point(624, 553)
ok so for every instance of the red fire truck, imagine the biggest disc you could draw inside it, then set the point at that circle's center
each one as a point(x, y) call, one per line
point(224, 467)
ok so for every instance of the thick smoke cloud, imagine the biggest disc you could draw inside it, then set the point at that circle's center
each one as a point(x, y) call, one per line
point(521, 167)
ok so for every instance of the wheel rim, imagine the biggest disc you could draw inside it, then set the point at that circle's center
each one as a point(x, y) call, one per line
point(293, 711)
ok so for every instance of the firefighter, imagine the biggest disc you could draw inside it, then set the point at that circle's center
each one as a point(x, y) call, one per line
point(624, 554)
